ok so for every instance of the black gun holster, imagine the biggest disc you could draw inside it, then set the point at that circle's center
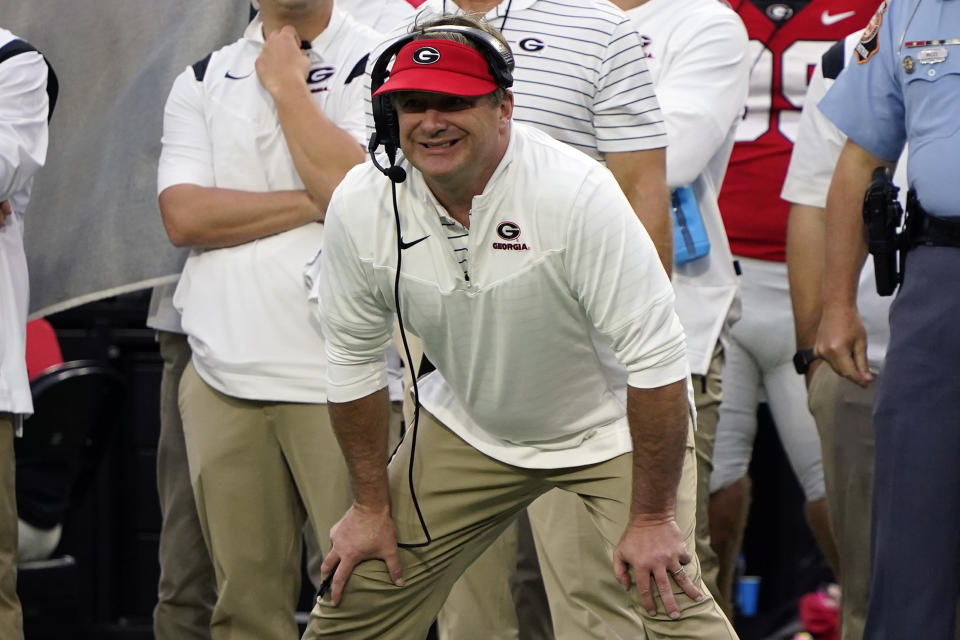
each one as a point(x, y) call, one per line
point(882, 215)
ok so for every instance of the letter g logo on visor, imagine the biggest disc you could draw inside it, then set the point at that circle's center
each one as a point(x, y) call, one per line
point(426, 55)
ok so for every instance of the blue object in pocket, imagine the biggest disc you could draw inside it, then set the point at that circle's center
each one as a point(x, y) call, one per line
point(690, 239)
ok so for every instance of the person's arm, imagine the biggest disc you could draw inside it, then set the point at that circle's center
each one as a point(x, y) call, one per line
point(367, 530)
point(358, 329)
point(196, 213)
point(700, 96)
point(210, 217)
point(805, 259)
point(321, 151)
point(642, 177)
point(812, 161)
point(701, 88)
point(615, 271)
point(652, 544)
point(841, 338)
point(23, 122)
point(634, 152)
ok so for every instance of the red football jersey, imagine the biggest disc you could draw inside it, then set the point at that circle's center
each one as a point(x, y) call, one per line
point(787, 39)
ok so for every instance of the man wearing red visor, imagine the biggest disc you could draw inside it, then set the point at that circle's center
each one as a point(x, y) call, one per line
point(515, 252)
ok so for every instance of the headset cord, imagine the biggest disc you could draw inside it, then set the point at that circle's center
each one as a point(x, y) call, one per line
point(413, 378)
point(326, 582)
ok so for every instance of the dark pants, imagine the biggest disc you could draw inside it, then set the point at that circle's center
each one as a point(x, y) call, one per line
point(916, 502)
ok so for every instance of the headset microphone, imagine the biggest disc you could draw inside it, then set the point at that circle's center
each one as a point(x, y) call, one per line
point(395, 173)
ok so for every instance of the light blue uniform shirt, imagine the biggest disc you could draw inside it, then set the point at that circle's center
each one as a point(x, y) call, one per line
point(909, 90)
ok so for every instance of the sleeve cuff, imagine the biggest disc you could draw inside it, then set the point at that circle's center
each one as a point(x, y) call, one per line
point(660, 376)
point(352, 382)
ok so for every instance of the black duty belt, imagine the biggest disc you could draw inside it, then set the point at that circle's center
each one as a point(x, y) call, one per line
point(925, 229)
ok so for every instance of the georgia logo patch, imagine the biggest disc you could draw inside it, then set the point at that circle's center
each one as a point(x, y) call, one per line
point(318, 76)
point(532, 44)
point(870, 40)
point(426, 55)
point(509, 231)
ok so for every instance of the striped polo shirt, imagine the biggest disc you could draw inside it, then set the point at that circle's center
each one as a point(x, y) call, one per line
point(581, 74)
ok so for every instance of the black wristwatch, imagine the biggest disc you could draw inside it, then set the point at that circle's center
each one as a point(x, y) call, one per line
point(802, 360)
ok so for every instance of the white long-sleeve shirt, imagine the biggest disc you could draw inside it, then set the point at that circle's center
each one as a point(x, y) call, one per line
point(555, 251)
point(23, 151)
point(697, 55)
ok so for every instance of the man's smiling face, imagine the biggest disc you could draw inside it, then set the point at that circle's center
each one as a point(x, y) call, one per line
point(452, 138)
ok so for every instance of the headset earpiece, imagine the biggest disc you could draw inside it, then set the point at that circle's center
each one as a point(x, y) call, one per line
point(386, 129)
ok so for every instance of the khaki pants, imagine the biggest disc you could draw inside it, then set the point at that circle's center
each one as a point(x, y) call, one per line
point(259, 470)
point(187, 590)
point(313, 540)
point(501, 595)
point(481, 604)
point(844, 415)
point(11, 621)
point(707, 394)
point(467, 500)
point(567, 541)
point(493, 599)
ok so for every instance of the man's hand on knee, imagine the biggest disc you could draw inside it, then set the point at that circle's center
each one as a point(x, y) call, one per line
point(655, 550)
point(361, 534)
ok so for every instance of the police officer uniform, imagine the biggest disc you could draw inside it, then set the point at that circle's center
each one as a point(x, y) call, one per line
point(902, 86)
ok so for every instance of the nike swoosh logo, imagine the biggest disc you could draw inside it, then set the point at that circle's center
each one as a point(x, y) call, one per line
point(407, 245)
point(233, 77)
point(827, 19)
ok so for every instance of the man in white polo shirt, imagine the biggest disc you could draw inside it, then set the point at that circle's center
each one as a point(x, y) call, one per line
point(581, 76)
point(24, 108)
point(255, 138)
point(187, 587)
point(506, 285)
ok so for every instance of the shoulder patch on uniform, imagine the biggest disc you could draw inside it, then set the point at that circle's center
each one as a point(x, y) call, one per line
point(870, 40)
point(832, 61)
point(358, 69)
point(200, 67)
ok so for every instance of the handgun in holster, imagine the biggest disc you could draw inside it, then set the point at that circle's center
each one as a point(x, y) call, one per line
point(882, 214)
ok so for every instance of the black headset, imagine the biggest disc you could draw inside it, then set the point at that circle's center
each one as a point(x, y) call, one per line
point(386, 129)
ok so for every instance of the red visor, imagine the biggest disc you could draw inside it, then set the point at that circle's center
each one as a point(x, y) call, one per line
point(440, 66)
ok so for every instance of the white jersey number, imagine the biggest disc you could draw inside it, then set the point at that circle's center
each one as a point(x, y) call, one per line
point(797, 62)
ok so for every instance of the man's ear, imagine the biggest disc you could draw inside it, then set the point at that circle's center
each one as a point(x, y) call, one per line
point(506, 106)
